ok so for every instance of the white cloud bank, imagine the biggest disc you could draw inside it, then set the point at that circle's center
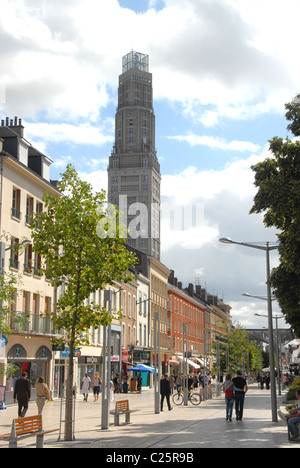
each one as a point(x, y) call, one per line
point(217, 58)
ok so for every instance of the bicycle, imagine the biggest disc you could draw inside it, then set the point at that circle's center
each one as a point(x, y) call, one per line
point(194, 398)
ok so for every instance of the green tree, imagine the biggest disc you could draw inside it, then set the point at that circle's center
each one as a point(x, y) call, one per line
point(66, 236)
point(8, 293)
point(239, 347)
point(278, 197)
point(256, 357)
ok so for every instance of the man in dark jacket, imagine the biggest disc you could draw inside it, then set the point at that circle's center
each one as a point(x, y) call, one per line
point(165, 391)
point(22, 393)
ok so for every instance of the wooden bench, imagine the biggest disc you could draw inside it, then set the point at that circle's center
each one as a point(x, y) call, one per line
point(27, 427)
point(122, 407)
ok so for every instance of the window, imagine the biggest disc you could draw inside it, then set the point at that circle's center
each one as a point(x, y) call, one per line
point(16, 204)
point(39, 209)
point(129, 305)
point(37, 265)
point(47, 306)
point(26, 302)
point(14, 254)
point(28, 260)
point(29, 209)
point(36, 304)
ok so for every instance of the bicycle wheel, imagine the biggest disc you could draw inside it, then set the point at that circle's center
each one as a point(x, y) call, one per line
point(195, 399)
point(177, 399)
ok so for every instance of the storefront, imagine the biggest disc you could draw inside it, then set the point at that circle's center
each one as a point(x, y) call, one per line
point(33, 358)
point(142, 356)
point(88, 365)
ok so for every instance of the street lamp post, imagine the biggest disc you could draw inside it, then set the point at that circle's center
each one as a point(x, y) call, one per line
point(266, 248)
point(157, 363)
point(185, 364)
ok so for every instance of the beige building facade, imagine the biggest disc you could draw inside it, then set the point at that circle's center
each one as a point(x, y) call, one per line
point(24, 180)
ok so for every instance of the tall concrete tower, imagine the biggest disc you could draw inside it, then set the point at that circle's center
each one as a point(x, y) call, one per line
point(134, 172)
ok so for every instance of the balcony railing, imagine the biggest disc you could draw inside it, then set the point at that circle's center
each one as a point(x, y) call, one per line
point(31, 323)
point(16, 213)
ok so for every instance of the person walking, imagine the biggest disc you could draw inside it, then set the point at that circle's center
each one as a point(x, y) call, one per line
point(267, 381)
point(179, 382)
point(22, 393)
point(96, 386)
point(172, 383)
point(229, 398)
point(240, 388)
point(165, 391)
point(85, 387)
point(42, 394)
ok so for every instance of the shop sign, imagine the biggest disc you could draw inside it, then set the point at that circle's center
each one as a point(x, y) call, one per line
point(43, 354)
point(16, 352)
point(66, 353)
point(92, 360)
point(3, 341)
point(125, 354)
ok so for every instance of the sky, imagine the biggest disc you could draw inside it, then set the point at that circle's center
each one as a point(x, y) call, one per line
point(222, 72)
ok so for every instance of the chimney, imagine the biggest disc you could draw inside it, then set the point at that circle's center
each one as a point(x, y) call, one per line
point(172, 277)
point(179, 285)
point(18, 127)
point(198, 290)
point(191, 289)
point(14, 124)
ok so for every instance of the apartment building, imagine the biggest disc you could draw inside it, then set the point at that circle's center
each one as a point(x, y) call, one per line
point(189, 311)
point(206, 317)
point(24, 178)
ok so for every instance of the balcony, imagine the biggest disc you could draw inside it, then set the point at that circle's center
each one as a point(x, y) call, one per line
point(21, 322)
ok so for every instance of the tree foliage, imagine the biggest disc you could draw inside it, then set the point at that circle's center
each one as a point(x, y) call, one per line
point(75, 257)
point(278, 197)
point(241, 351)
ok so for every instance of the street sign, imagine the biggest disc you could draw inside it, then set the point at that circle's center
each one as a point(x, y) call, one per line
point(3, 341)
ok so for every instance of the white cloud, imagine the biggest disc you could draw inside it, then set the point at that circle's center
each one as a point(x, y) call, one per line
point(84, 134)
point(224, 198)
point(63, 58)
point(215, 142)
point(192, 184)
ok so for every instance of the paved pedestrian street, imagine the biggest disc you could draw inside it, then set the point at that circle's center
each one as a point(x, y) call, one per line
point(191, 427)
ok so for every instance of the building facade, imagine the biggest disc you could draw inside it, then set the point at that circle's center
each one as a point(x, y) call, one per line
point(25, 177)
point(134, 172)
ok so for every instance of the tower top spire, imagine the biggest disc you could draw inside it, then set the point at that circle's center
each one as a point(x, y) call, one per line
point(135, 61)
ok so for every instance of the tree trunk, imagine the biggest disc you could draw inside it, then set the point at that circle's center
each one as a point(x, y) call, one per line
point(69, 398)
point(69, 395)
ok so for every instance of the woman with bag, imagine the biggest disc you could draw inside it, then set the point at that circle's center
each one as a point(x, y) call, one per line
point(229, 398)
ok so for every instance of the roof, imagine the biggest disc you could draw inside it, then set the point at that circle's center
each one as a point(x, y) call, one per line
point(285, 335)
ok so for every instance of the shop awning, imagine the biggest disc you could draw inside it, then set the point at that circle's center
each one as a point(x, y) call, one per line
point(173, 362)
point(191, 363)
point(201, 361)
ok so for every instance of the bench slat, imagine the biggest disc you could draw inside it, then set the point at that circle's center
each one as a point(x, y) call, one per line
point(29, 424)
